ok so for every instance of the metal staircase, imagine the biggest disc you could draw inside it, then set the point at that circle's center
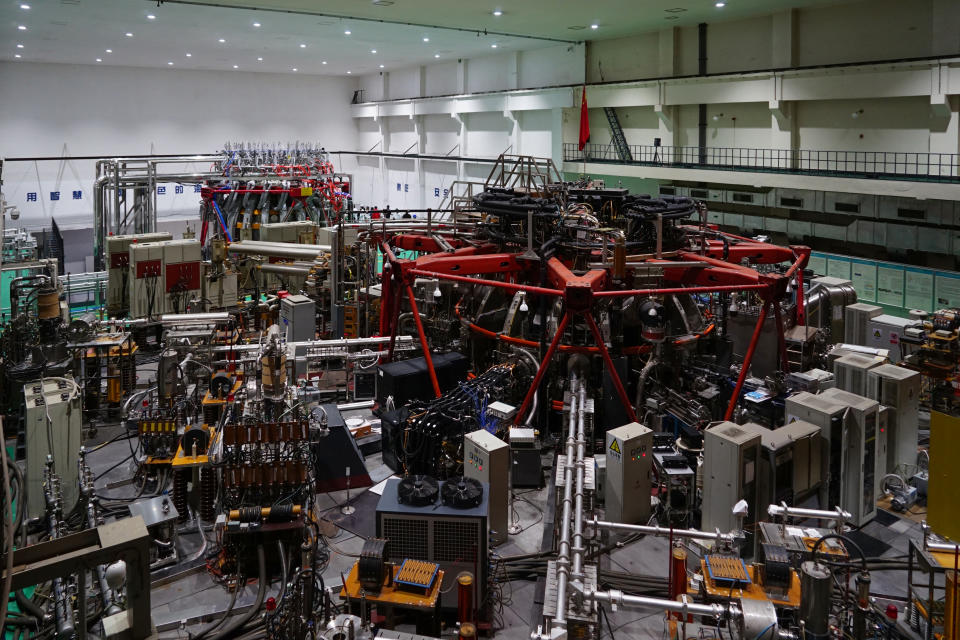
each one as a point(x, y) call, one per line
point(619, 141)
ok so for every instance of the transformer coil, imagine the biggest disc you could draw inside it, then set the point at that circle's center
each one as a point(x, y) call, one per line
point(180, 481)
point(372, 567)
point(208, 494)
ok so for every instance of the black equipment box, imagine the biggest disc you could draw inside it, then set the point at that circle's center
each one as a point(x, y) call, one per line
point(408, 380)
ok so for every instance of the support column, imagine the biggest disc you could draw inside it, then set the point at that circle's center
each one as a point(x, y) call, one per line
point(513, 70)
point(783, 31)
point(513, 117)
point(668, 62)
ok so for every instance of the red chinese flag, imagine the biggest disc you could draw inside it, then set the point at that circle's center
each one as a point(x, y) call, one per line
point(584, 120)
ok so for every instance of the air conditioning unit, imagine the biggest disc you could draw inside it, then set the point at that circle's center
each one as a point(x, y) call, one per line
point(420, 526)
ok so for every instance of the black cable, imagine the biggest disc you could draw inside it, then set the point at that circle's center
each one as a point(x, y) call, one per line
point(838, 536)
point(235, 625)
point(222, 619)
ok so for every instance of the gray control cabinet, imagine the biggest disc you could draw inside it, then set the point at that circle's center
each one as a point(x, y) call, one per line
point(629, 454)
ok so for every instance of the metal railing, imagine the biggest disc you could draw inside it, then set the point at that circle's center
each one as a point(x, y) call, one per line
point(885, 165)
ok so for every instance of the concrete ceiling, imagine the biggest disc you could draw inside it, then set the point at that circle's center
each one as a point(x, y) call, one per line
point(303, 34)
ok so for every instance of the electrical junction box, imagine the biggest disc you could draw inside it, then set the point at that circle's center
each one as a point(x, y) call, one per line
point(600, 476)
point(898, 389)
point(52, 427)
point(789, 468)
point(850, 371)
point(487, 458)
point(164, 277)
point(298, 318)
point(629, 455)
point(730, 457)
point(118, 263)
point(885, 331)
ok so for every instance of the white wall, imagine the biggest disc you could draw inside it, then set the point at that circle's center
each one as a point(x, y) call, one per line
point(80, 110)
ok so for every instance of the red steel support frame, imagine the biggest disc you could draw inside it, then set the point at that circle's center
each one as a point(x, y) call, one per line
point(423, 342)
point(544, 365)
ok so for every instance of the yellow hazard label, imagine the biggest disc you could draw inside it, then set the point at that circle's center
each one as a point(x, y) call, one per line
point(615, 447)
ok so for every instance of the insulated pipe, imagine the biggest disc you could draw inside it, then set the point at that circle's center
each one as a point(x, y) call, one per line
point(618, 598)
point(195, 318)
point(285, 269)
point(578, 497)
point(250, 247)
point(819, 514)
point(693, 534)
point(563, 548)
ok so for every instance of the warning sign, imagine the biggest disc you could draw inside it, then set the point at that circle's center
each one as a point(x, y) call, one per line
point(615, 447)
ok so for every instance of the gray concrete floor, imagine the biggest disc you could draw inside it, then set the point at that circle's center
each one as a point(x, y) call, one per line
point(196, 594)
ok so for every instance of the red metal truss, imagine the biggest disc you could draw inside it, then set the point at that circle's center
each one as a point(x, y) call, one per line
point(718, 269)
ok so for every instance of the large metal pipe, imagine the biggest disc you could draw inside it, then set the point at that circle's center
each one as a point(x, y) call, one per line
point(284, 269)
point(307, 251)
point(693, 534)
point(618, 598)
point(563, 548)
point(195, 318)
point(578, 496)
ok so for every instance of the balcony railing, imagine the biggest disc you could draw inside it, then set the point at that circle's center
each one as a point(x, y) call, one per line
point(884, 165)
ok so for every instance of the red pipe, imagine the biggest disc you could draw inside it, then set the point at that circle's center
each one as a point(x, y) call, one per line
point(746, 360)
point(614, 376)
point(423, 342)
point(544, 365)
point(490, 283)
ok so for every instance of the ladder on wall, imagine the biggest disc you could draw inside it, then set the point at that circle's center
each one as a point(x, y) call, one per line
point(616, 131)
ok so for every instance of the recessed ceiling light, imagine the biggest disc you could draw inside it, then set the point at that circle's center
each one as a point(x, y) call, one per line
point(109, 50)
point(259, 59)
point(21, 27)
point(373, 50)
point(150, 16)
point(497, 12)
point(721, 4)
point(99, 59)
point(303, 45)
point(221, 40)
point(170, 63)
point(294, 69)
point(25, 7)
point(594, 26)
point(493, 46)
point(347, 32)
point(436, 55)
point(256, 24)
point(189, 55)
point(426, 39)
point(236, 66)
point(16, 55)
point(19, 46)
point(349, 71)
point(324, 62)
point(381, 66)
point(128, 34)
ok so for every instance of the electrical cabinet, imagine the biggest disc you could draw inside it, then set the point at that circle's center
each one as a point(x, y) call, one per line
point(850, 372)
point(118, 266)
point(855, 319)
point(487, 458)
point(790, 467)
point(164, 277)
point(52, 427)
point(898, 389)
point(298, 318)
point(885, 331)
point(730, 458)
point(629, 454)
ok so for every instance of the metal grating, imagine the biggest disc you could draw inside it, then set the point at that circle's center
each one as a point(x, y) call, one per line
point(455, 541)
point(408, 537)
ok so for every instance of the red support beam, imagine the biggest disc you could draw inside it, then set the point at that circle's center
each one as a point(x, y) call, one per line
point(487, 283)
point(423, 342)
point(544, 365)
point(747, 359)
point(614, 376)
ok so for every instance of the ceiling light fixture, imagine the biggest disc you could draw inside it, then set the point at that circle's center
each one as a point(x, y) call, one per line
point(493, 46)
point(256, 24)
point(324, 62)
point(259, 59)
point(294, 69)
point(373, 50)
point(303, 46)
point(128, 34)
point(436, 55)
point(19, 46)
point(189, 55)
point(381, 66)
point(169, 63)
point(150, 16)
point(99, 59)
point(426, 39)
point(109, 50)
point(16, 55)
point(236, 66)
point(594, 26)
point(721, 4)
point(347, 32)
point(497, 12)
point(25, 7)
point(349, 72)
point(221, 40)
point(21, 27)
